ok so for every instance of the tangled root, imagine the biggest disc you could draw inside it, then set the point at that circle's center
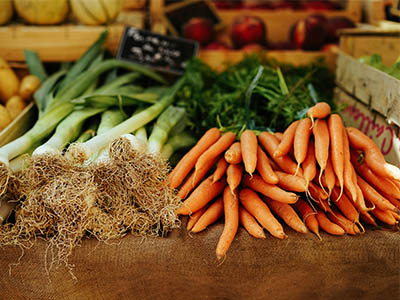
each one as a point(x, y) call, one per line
point(64, 201)
point(132, 188)
point(5, 174)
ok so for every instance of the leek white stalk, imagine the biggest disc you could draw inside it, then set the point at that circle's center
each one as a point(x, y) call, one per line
point(87, 149)
point(165, 122)
point(176, 142)
point(67, 130)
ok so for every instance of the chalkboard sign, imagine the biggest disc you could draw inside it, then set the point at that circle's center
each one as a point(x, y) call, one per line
point(178, 14)
point(163, 53)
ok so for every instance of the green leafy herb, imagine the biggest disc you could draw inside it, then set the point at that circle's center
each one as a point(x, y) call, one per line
point(255, 93)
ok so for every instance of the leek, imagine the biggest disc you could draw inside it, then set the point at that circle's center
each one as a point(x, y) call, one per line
point(87, 149)
point(165, 122)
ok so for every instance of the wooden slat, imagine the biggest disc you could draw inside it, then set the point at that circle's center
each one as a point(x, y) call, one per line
point(61, 43)
point(378, 90)
point(359, 42)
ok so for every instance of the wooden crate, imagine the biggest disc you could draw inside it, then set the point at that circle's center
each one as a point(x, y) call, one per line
point(372, 123)
point(65, 42)
point(278, 21)
point(373, 11)
point(358, 42)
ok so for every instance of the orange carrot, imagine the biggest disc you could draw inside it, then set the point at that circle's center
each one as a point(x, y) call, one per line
point(220, 170)
point(396, 215)
point(301, 141)
point(210, 215)
point(203, 194)
point(270, 143)
point(373, 156)
point(380, 183)
point(261, 212)
point(191, 182)
point(385, 216)
point(367, 218)
point(279, 136)
point(348, 226)
point(188, 161)
point(330, 177)
point(393, 200)
point(287, 140)
point(308, 215)
point(327, 225)
point(321, 140)
point(231, 211)
point(250, 224)
point(264, 167)
point(346, 206)
point(287, 214)
point(234, 176)
point(272, 191)
point(373, 196)
point(192, 220)
point(335, 126)
point(234, 154)
point(320, 110)
point(309, 165)
point(214, 151)
point(349, 182)
point(249, 144)
point(292, 183)
point(316, 192)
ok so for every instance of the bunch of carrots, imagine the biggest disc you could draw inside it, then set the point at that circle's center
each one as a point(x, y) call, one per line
point(317, 174)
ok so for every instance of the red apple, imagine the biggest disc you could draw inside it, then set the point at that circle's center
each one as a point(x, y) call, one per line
point(217, 46)
point(199, 29)
point(334, 24)
point(330, 48)
point(248, 30)
point(309, 33)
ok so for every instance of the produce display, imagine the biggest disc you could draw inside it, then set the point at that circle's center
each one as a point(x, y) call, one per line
point(15, 93)
point(49, 12)
point(317, 174)
point(79, 171)
point(375, 61)
point(118, 148)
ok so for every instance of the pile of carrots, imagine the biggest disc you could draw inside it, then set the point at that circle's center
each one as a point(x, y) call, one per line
point(317, 174)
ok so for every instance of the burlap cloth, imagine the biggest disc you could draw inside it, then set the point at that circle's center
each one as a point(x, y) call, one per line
point(184, 267)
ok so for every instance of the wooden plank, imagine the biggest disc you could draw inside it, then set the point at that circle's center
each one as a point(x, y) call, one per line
point(219, 58)
point(61, 43)
point(19, 125)
point(358, 115)
point(374, 88)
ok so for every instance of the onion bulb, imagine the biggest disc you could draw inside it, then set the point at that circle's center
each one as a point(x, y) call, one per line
point(6, 11)
point(96, 12)
point(42, 12)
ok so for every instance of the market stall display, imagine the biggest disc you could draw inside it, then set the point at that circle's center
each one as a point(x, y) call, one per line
point(246, 173)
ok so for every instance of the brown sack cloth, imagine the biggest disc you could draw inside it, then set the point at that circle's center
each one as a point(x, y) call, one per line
point(185, 267)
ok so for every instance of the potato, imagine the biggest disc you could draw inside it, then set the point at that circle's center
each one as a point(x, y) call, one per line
point(15, 105)
point(5, 117)
point(29, 84)
point(9, 82)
